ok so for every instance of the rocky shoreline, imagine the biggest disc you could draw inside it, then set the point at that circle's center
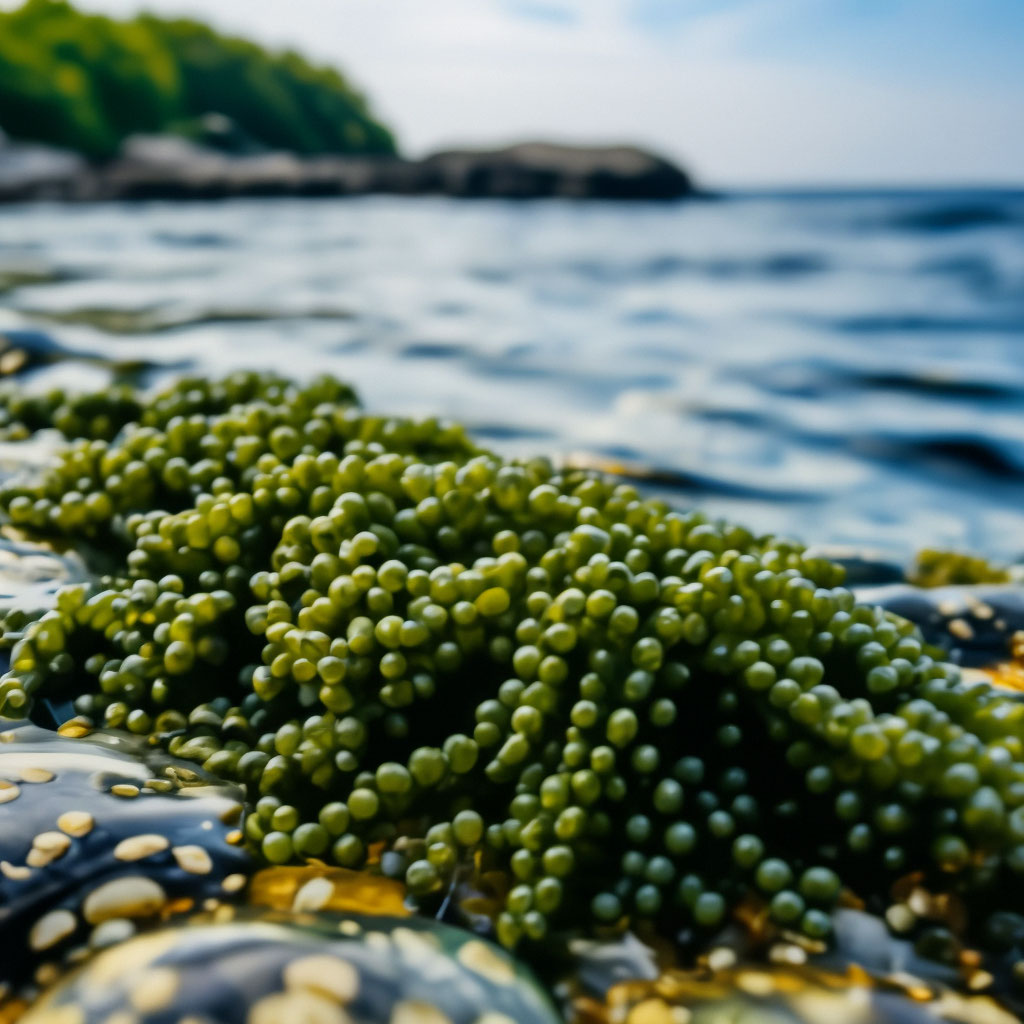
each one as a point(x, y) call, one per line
point(169, 168)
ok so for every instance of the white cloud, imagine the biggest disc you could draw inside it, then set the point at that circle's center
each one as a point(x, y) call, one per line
point(472, 71)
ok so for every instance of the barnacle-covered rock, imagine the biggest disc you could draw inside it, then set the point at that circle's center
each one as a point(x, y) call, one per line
point(424, 658)
point(99, 835)
point(237, 967)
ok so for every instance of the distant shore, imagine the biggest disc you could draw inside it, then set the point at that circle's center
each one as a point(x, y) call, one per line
point(169, 168)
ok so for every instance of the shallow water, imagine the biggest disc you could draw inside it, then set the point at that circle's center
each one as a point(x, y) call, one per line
point(846, 367)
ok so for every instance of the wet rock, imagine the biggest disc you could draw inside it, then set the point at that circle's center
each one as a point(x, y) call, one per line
point(22, 350)
point(31, 573)
point(864, 941)
point(864, 568)
point(320, 887)
point(250, 967)
point(99, 834)
point(791, 994)
point(25, 350)
point(975, 625)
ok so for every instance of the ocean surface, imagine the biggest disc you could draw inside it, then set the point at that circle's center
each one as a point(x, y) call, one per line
point(847, 367)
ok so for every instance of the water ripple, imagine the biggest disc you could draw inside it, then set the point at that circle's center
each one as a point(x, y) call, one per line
point(842, 366)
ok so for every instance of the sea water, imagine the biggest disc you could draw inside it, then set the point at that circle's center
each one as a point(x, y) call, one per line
point(847, 367)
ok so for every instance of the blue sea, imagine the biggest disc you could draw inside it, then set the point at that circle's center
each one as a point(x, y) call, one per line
point(847, 367)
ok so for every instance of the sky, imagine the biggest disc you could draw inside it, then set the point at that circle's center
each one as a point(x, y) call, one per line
point(741, 92)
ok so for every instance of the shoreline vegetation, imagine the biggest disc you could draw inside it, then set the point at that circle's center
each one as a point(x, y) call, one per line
point(93, 108)
point(86, 83)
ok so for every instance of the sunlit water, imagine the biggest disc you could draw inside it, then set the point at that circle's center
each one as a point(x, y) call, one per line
point(848, 368)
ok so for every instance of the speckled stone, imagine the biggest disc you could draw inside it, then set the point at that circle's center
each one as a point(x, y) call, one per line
point(74, 855)
point(258, 966)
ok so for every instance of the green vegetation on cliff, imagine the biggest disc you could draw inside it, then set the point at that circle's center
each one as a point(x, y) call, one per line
point(86, 82)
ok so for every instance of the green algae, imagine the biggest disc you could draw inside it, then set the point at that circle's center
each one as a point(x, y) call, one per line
point(400, 642)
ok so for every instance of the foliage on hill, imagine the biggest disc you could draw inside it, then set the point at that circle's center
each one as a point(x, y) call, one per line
point(85, 82)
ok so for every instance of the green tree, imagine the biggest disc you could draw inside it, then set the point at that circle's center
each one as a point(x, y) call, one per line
point(86, 82)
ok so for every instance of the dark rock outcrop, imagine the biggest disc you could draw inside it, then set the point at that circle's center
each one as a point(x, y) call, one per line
point(168, 167)
point(534, 170)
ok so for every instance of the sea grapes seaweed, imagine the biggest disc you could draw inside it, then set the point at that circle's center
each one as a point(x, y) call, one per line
point(411, 651)
point(934, 567)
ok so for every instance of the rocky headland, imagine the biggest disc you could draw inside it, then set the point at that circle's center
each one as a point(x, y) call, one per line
point(166, 167)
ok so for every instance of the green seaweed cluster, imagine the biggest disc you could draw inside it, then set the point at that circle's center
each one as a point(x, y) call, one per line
point(935, 567)
point(416, 653)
